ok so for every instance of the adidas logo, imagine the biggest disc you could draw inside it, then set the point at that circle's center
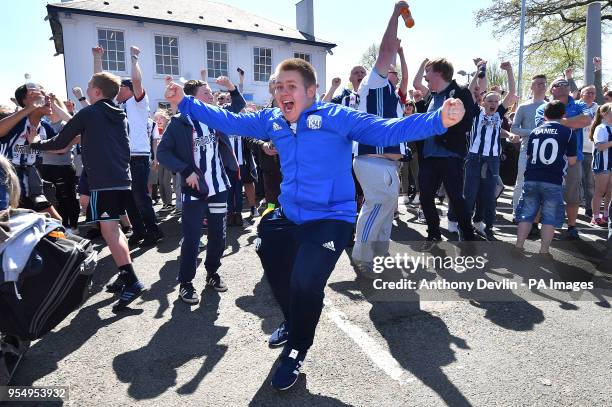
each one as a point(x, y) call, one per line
point(330, 245)
point(104, 215)
point(276, 127)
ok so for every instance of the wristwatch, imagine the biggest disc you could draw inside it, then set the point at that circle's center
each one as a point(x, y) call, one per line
point(82, 99)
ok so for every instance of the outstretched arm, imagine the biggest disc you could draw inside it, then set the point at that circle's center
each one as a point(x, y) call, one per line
point(376, 131)
point(244, 124)
point(72, 129)
point(511, 95)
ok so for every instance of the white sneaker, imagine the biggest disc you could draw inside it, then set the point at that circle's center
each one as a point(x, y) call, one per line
point(201, 246)
point(480, 227)
point(452, 227)
point(416, 200)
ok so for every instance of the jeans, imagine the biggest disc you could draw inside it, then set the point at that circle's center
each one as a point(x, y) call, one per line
point(214, 209)
point(588, 181)
point(297, 261)
point(481, 174)
point(140, 209)
point(541, 196)
point(234, 196)
point(448, 171)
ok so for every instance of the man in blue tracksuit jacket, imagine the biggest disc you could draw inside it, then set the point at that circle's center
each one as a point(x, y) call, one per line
point(300, 243)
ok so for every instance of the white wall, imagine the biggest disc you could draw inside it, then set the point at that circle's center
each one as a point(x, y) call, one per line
point(80, 35)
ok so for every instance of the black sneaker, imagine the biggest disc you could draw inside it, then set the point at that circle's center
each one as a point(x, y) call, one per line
point(279, 337)
point(152, 238)
point(116, 286)
point(253, 212)
point(135, 239)
point(188, 294)
point(214, 281)
point(489, 235)
point(288, 370)
point(128, 295)
point(430, 242)
point(571, 234)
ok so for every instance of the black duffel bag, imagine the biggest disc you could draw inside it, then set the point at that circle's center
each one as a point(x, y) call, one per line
point(55, 281)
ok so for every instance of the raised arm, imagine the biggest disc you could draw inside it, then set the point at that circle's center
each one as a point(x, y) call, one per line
point(136, 73)
point(238, 102)
point(569, 75)
point(376, 131)
point(390, 43)
point(330, 93)
point(599, 98)
point(403, 86)
point(511, 95)
point(78, 93)
point(97, 58)
point(245, 124)
point(417, 82)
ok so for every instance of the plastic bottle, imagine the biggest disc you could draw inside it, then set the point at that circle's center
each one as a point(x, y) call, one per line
point(405, 12)
point(31, 85)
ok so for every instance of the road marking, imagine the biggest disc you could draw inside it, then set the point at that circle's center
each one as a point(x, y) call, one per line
point(377, 354)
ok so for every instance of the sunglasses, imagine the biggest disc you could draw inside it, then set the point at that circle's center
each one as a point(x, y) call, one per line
point(560, 85)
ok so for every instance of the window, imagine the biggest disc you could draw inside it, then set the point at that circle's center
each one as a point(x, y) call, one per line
point(262, 64)
point(217, 59)
point(166, 55)
point(302, 55)
point(113, 43)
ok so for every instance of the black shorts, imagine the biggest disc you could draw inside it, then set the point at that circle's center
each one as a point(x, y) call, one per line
point(107, 205)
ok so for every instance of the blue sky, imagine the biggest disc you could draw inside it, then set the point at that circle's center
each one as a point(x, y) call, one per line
point(443, 28)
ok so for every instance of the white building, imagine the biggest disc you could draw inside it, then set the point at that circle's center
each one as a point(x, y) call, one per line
point(180, 38)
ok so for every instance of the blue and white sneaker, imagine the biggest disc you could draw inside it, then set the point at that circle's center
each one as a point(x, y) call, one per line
point(279, 337)
point(128, 295)
point(288, 370)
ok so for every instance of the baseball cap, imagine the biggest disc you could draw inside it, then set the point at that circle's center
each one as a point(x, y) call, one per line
point(128, 83)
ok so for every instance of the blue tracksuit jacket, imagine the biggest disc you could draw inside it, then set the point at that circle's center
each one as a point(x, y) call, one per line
point(316, 161)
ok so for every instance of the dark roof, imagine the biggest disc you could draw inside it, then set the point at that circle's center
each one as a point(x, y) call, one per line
point(199, 14)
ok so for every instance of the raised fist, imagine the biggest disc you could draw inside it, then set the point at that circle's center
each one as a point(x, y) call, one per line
point(398, 6)
point(569, 73)
point(506, 66)
point(174, 93)
point(336, 82)
point(452, 112)
point(134, 51)
point(97, 51)
point(597, 63)
point(77, 92)
point(225, 82)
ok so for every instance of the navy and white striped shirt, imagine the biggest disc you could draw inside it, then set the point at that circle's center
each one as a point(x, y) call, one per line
point(601, 159)
point(347, 98)
point(237, 146)
point(15, 147)
point(207, 159)
point(485, 136)
point(378, 96)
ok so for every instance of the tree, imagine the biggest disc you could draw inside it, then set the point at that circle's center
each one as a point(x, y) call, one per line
point(555, 31)
point(368, 59)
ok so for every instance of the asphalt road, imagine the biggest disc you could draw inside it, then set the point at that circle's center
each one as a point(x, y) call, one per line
point(540, 352)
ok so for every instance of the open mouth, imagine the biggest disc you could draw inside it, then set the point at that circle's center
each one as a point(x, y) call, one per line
point(288, 106)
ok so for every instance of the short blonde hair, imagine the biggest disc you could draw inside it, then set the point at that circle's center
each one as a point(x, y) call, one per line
point(108, 83)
